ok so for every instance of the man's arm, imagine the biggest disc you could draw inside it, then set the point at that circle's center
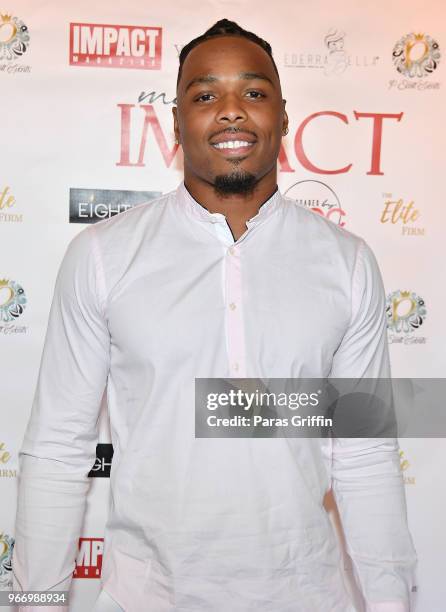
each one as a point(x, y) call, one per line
point(366, 476)
point(59, 446)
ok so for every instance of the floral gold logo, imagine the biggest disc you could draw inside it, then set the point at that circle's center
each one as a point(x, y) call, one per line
point(6, 547)
point(12, 300)
point(14, 37)
point(406, 311)
point(416, 55)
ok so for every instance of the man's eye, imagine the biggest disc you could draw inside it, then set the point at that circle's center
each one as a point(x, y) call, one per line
point(255, 94)
point(204, 98)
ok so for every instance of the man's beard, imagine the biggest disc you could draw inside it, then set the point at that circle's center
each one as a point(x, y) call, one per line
point(238, 182)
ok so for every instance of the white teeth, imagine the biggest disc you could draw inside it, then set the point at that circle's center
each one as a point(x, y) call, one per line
point(232, 144)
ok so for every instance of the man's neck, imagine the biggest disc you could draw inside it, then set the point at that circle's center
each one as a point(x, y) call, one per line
point(237, 208)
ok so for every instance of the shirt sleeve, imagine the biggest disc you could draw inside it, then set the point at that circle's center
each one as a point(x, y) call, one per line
point(367, 481)
point(59, 446)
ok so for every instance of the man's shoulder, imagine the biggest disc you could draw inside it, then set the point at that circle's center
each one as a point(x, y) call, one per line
point(115, 239)
point(136, 217)
point(316, 226)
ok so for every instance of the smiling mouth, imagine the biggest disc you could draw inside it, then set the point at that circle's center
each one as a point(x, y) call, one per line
point(233, 147)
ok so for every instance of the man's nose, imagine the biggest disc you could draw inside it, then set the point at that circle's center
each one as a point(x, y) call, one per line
point(231, 110)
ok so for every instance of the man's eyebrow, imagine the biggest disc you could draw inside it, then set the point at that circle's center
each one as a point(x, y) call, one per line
point(208, 78)
point(246, 76)
point(253, 76)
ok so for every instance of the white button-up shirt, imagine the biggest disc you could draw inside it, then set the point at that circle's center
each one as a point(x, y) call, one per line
point(146, 302)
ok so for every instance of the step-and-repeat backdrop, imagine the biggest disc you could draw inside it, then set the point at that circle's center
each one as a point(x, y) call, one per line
point(86, 97)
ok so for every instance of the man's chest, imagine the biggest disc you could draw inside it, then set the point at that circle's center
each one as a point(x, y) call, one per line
point(280, 313)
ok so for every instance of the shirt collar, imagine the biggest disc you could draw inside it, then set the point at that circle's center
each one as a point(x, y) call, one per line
point(194, 209)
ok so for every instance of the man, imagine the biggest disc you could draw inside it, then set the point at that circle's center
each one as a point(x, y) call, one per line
point(221, 278)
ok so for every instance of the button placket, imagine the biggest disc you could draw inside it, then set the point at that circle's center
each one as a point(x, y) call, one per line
point(235, 332)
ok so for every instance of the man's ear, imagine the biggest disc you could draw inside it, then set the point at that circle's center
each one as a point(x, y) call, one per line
point(285, 117)
point(175, 124)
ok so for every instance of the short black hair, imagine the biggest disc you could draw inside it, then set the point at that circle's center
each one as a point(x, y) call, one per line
point(224, 27)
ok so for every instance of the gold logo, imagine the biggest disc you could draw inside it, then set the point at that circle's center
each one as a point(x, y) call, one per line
point(12, 300)
point(418, 40)
point(4, 455)
point(3, 544)
point(405, 465)
point(405, 311)
point(7, 24)
point(6, 202)
point(416, 55)
point(396, 212)
point(6, 294)
point(403, 306)
point(14, 38)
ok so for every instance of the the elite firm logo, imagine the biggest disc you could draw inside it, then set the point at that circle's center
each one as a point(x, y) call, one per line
point(89, 558)
point(406, 313)
point(115, 46)
point(318, 197)
point(7, 203)
point(102, 465)
point(6, 548)
point(405, 465)
point(12, 305)
point(93, 205)
point(415, 57)
point(14, 43)
point(6, 467)
point(397, 212)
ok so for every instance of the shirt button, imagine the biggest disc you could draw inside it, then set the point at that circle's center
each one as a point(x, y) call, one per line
point(231, 251)
point(232, 306)
point(235, 367)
